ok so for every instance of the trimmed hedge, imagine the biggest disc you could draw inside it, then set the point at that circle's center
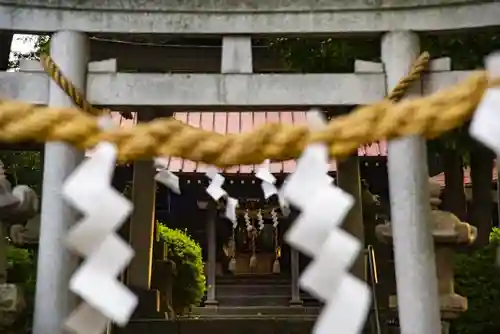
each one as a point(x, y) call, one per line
point(478, 278)
point(189, 281)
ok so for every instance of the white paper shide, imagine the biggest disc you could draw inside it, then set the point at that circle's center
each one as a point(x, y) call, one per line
point(317, 233)
point(94, 237)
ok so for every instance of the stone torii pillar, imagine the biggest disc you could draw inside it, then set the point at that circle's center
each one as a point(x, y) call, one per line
point(416, 277)
point(53, 301)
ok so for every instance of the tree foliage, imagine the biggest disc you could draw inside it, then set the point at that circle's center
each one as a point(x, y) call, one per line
point(454, 149)
point(189, 282)
point(23, 167)
point(41, 45)
point(476, 277)
point(21, 270)
point(330, 55)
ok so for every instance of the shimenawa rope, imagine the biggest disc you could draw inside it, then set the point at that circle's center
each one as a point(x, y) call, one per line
point(67, 86)
point(429, 116)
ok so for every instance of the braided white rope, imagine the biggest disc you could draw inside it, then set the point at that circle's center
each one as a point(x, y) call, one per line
point(248, 222)
point(274, 217)
point(260, 220)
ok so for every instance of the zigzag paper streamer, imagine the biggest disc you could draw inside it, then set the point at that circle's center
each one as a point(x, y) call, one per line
point(268, 186)
point(268, 180)
point(485, 126)
point(316, 232)
point(89, 189)
point(166, 177)
point(215, 191)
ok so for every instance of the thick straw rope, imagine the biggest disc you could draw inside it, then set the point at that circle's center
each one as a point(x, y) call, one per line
point(429, 116)
point(74, 93)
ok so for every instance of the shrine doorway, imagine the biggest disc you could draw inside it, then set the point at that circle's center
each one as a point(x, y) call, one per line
point(255, 246)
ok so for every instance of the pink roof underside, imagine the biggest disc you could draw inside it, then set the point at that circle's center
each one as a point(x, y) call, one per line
point(467, 178)
point(239, 122)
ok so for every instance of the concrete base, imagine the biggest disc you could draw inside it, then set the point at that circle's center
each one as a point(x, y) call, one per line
point(211, 303)
point(149, 304)
point(296, 303)
point(451, 305)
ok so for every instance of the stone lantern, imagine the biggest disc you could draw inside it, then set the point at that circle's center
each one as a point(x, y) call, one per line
point(448, 233)
point(17, 206)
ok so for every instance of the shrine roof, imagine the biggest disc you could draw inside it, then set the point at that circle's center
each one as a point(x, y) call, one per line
point(225, 122)
point(467, 178)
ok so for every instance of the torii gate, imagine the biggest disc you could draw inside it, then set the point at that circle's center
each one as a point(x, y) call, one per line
point(235, 87)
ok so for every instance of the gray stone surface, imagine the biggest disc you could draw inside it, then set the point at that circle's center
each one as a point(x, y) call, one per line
point(232, 5)
point(209, 90)
point(246, 17)
point(53, 300)
point(11, 298)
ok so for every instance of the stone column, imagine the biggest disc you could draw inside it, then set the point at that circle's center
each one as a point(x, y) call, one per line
point(53, 301)
point(141, 233)
point(410, 210)
point(349, 179)
point(142, 225)
point(212, 253)
point(295, 272)
point(139, 273)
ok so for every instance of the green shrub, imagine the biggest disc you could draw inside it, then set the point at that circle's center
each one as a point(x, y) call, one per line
point(21, 268)
point(189, 281)
point(478, 279)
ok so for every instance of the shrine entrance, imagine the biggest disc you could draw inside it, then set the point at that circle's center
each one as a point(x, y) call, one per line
point(255, 245)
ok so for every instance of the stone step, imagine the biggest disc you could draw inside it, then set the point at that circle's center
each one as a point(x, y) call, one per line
point(253, 280)
point(251, 316)
point(249, 300)
point(255, 310)
point(225, 325)
point(263, 325)
point(223, 290)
